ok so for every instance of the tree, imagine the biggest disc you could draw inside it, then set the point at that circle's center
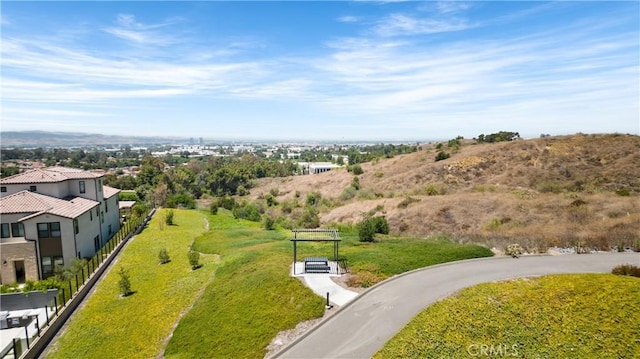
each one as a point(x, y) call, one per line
point(442, 156)
point(168, 219)
point(163, 256)
point(366, 230)
point(124, 283)
point(194, 259)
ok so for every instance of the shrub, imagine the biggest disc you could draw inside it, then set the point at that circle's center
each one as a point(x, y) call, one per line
point(242, 191)
point(194, 259)
point(139, 209)
point(168, 219)
point(403, 226)
point(213, 208)
point(309, 218)
point(378, 174)
point(348, 193)
point(357, 170)
point(355, 183)
point(366, 230)
point(163, 255)
point(274, 192)
point(227, 202)
point(124, 283)
point(269, 223)
point(514, 250)
point(442, 156)
point(626, 269)
point(381, 225)
point(271, 200)
point(623, 192)
point(247, 211)
point(407, 201)
point(181, 200)
point(313, 198)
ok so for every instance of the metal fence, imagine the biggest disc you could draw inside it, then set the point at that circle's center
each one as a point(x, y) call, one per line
point(35, 323)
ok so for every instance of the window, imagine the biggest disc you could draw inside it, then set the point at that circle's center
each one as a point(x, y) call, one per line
point(49, 230)
point(43, 230)
point(102, 216)
point(55, 229)
point(82, 187)
point(33, 188)
point(47, 266)
point(109, 229)
point(3, 189)
point(17, 230)
point(76, 227)
point(5, 230)
point(96, 243)
point(100, 185)
point(106, 206)
point(91, 215)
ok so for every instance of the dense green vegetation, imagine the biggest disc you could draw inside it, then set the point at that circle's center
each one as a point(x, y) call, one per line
point(253, 297)
point(111, 326)
point(558, 316)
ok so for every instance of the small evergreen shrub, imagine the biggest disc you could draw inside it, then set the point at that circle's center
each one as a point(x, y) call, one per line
point(357, 170)
point(168, 219)
point(124, 283)
point(194, 259)
point(213, 208)
point(269, 223)
point(163, 256)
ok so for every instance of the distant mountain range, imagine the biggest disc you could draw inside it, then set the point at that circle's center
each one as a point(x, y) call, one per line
point(72, 139)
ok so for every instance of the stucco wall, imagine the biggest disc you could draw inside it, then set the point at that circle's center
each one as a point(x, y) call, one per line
point(16, 251)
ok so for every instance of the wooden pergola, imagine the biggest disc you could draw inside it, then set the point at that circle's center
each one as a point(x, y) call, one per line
point(315, 235)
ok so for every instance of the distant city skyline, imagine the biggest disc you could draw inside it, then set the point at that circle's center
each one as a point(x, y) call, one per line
point(361, 70)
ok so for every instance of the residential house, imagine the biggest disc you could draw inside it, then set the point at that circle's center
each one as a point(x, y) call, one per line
point(50, 216)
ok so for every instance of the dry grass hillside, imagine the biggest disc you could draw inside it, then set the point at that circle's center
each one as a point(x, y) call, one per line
point(553, 191)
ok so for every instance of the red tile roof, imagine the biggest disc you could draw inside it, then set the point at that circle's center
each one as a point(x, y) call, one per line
point(49, 175)
point(110, 191)
point(31, 203)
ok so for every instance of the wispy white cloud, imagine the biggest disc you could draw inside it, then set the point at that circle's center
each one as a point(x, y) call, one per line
point(348, 19)
point(128, 28)
point(399, 24)
point(450, 7)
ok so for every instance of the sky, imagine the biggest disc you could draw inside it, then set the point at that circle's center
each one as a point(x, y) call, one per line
point(308, 70)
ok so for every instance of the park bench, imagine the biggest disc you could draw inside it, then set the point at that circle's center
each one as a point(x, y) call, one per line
point(316, 265)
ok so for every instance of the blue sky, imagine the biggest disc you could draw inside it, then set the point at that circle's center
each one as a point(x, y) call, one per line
point(362, 70)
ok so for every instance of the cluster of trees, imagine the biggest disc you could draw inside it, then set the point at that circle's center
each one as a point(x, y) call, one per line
point(498, 137)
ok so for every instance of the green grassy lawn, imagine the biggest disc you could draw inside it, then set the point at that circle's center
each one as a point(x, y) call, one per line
point(136, 326)
point(559, 316)
point(253, 297)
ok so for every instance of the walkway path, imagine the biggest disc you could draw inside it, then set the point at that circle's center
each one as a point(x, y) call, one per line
point(322, 284)
point(362, 327)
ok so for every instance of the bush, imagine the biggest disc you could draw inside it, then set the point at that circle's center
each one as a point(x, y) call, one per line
point(194, 259)
point(213, 208)
point(168, 219)
point(227, 202)
point(380, 225)
point(124, 283)
point(623, 192)
point(313, 198)
point(269, 223)
point(348, 193)
point(163, 255)
point(247, 211)
point(514, 250)
point(356, 169)
point(309, 218)
point(182, 200)
point(406, 202)
point(366, 230)
point(442, 156)
point(626, 269)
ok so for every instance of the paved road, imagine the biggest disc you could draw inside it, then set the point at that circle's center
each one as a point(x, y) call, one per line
point(363, 326)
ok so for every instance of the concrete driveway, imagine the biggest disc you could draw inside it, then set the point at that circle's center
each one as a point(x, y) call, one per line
point(364, 325)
